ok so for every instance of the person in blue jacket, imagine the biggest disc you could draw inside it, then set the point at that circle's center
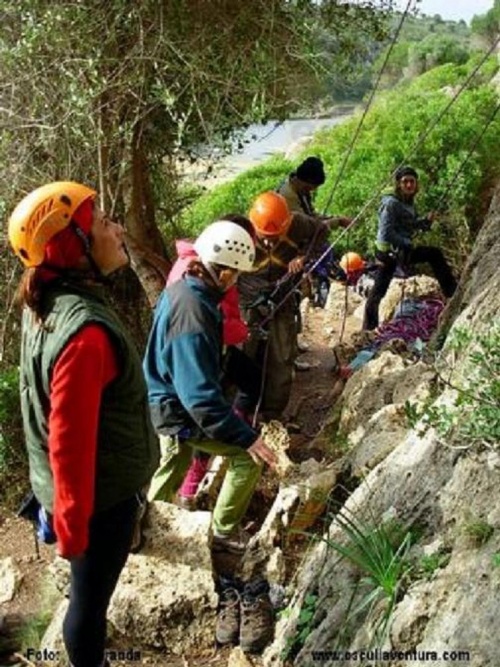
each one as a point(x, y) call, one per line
point(183, 372)
point(398, 222)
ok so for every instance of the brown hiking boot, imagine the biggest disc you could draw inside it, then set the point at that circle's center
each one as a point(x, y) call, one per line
point(257, 617)
point(186, 502)
point(233, 543)
point(227, 628)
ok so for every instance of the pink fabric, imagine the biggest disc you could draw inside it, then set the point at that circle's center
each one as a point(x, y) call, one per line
point(194, 476)
point(185, 254)
point(235, 331)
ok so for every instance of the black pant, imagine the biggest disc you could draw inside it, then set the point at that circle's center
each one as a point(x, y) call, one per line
point(93, 579)
point(243, 373)
point(384, 275)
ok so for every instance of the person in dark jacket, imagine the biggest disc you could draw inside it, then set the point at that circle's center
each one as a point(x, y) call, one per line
point(398, 223)
point(183, 368)
point(299, 187)
point(91, 445)
point(284, 242)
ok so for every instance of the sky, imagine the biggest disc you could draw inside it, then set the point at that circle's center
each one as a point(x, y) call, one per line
point(452, 10)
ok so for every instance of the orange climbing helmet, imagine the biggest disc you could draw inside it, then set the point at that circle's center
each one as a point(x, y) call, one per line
point(351, 262)
point(41, 215)
point(270, 214)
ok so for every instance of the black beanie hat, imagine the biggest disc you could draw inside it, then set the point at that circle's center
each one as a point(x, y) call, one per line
point(405, 171)
point(311, 171)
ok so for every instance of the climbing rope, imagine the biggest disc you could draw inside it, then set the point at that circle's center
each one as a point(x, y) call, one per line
point(367, 107)
point(376, 195)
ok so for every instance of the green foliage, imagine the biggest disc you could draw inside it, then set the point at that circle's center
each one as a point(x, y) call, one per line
point(433, 51)
point(32, 630)
point(477, 530)
point(495, 560)
point(429, 564)
point(424, 42)
point(412, 413)
point(487, 25)
point(304, 627)
point(13, 459)
point(474, 418)
point(236, 195)
point(380, 553)
point(392, 132)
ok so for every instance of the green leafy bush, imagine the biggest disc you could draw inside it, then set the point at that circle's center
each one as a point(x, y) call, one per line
point(474, 417)
point(397, 129)
point(235, 196)
point(13, 459)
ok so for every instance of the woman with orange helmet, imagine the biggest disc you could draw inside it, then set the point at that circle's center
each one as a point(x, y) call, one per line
point(284, 240)
point(91, 446)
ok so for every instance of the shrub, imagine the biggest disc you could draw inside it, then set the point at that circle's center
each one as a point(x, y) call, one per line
point(474, 417)
point(400, 126)
point(13, 458)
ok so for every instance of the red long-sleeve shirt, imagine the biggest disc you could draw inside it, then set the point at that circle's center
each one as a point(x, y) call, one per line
point(87, 364)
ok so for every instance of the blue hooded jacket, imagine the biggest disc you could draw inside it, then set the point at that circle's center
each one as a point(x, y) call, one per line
point(182, 365)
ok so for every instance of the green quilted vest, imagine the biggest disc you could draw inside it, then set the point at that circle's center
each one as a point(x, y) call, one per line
point(127, 448)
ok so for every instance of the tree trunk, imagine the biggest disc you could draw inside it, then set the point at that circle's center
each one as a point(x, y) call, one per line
point(144, 241)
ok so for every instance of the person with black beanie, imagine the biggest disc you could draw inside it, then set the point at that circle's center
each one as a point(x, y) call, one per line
point(299, 187)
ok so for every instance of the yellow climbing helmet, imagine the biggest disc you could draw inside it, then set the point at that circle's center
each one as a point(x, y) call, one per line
point(41, 215)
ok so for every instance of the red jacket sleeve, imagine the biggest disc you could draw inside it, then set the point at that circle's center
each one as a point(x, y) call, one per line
point(87, 364)
point(235, 331)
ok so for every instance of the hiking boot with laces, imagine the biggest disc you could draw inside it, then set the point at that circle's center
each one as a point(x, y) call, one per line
point(227, 628)
point(235, 542)
point(257, 617)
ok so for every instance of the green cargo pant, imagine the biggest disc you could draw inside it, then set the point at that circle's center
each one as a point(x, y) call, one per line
point(237, 489)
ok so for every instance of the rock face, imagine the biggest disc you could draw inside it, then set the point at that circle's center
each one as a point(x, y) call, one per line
point(441, 493)
point(165, 597)
point(10, 578)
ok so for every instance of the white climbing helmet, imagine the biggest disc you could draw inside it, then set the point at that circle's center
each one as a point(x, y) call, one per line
point(227, 244)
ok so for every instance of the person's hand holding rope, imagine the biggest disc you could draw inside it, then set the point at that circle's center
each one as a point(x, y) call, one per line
point(337, 221)
point(296, 265)
point(261, 453)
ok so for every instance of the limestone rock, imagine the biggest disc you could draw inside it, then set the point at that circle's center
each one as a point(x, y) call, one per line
point(413, 287)
point(276, 438)
point(165, 596)
point(300, 500)
point(370, 443)
point(341, 302)
point(10, 579)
